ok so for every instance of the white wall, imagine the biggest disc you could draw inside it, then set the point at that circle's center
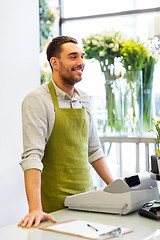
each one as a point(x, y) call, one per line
point(19, 73)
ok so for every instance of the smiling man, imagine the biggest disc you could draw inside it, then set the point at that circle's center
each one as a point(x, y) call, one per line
point(59, 136)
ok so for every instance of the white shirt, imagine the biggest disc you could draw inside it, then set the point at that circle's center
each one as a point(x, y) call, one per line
point(38, 118)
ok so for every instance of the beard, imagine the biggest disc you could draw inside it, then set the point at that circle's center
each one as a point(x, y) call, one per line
point(67, 76)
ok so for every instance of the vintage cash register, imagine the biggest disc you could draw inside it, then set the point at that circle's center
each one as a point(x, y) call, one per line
point(119, 197)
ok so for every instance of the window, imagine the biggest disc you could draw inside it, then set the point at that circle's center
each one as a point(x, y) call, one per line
point(131, 17)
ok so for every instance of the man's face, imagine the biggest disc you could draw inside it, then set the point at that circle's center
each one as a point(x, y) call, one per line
point(71, 63)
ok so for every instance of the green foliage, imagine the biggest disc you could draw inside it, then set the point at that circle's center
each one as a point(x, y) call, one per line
point(48, 16)
point(47, 19)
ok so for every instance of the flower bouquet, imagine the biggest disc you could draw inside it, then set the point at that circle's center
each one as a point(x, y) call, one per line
point(134, 59)
point(105, 48)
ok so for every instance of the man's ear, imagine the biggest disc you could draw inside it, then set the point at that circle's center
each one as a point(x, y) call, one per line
point(53, 62)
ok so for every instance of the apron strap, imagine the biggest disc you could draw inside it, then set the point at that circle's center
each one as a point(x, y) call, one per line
point(53, 95)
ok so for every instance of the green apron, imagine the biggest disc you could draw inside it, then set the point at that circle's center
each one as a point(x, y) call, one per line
point(66, 168)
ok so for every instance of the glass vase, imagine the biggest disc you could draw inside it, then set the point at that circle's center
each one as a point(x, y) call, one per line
point(148, 71)
point(133, 102)
point(113, 91)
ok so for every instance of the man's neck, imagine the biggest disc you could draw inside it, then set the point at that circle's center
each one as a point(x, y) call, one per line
point(67, 88)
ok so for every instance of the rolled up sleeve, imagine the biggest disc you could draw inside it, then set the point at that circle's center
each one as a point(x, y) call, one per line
point(34, 124)
point(31, 161)
point(96, 155)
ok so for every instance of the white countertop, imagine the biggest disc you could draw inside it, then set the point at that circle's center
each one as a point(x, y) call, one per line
point(142, 227)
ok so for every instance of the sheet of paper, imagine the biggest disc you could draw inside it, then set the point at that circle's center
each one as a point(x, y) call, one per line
point(154, 236)
point(80, 228)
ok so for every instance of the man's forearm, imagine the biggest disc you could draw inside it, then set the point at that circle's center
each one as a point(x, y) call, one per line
point(33, 188)
point(33, 191)
point(102, 169)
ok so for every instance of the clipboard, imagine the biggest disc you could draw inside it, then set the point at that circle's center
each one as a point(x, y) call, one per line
point(79, 228)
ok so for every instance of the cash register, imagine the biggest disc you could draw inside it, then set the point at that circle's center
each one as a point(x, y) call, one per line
point(152, 209)
point(122, 196)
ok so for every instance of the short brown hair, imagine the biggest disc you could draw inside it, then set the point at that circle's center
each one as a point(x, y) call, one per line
point(54, 47)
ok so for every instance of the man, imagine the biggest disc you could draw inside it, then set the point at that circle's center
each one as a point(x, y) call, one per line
point(59, 136)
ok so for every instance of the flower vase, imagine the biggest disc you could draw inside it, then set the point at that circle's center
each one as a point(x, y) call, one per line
point(114, 120)
point(148, 71)
point(133, 103)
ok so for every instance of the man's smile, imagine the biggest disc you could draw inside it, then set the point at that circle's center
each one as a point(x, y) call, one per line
point(79, 70)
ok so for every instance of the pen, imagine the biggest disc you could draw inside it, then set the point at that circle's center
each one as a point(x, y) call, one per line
point(92, 227)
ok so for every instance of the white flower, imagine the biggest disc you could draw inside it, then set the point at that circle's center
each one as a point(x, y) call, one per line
point(100, 38)
point(111, 45)
point(101, 54)
point(153, 47)
point(116, 47)
point(94, 42)
point(100, 44)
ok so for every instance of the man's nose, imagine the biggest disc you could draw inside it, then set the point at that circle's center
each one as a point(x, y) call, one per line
point(81, 61)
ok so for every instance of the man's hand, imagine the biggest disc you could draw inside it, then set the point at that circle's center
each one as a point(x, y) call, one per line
point(33, 191)
point(35, 216)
